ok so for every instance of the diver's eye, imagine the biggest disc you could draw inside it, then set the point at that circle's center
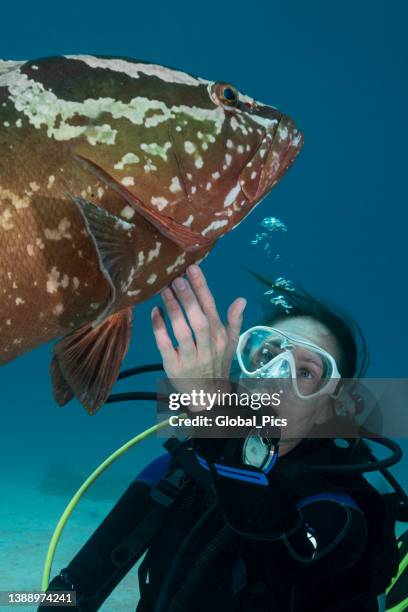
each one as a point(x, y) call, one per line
point(225, 94)
point(305, 373)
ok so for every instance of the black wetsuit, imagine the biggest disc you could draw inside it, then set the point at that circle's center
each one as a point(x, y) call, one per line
point(339, 552)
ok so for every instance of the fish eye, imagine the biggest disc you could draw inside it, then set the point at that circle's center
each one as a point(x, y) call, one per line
point(225, 94)
point(229, 94)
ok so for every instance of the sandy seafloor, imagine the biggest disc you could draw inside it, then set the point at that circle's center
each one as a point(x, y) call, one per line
point(27, 522)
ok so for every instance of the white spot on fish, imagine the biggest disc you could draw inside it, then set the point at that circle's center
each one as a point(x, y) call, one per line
point(75, 283)
point(231, 195)
point(159, 202)
point(151, 279)
point(59, 309)
point(5, 222)
point(54, 282)
point(51, 181)
point(30, 250)
point(175, 184)
point(34, 186)
point(230, 144)
point(17, 201)
point(228, 160)
point(39, 243)
point(59, 233)
point(178, 262)
point(129, 158)
point(149, 166)
point(128, 212)
point(283, 132)
point(19, 301)
point(216, 175)
point(213, 226)
point(208, 186)
point(189, 220)
point(154, 252)
point(135, 292)
point(155, 149)
point(189, 147)
point(199, 163)
point(128, 180)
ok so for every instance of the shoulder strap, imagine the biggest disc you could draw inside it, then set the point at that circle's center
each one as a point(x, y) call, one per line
point(163, 496)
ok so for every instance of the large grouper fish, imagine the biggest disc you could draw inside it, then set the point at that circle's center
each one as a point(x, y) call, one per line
point(115, 175)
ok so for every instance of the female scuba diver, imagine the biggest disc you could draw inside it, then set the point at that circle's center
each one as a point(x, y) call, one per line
point(246, 524)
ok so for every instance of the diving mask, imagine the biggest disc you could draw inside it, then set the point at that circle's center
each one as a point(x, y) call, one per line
point(266, 352)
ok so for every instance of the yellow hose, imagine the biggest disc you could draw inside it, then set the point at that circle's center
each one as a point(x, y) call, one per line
point(84, 487)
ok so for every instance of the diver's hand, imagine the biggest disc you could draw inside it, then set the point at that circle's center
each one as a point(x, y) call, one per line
point(209, 355)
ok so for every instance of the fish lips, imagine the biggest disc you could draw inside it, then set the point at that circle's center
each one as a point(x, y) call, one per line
point(275, 154)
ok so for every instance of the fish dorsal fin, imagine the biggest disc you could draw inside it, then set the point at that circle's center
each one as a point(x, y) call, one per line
point(180, 234)
point(116, 242)
point(87, 362)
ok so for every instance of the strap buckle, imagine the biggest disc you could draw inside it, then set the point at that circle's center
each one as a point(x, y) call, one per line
point(169, 487)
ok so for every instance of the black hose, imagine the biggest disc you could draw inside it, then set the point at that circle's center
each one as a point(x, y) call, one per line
point(162, 602)
point(200, 569)
point(137, 395)
point(148, 367)
point(374, 466)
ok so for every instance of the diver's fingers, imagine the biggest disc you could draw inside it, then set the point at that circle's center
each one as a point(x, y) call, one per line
point(204, 295)
point(187, 348)
point(163, 340)
point(235, 315)
point(196, 316)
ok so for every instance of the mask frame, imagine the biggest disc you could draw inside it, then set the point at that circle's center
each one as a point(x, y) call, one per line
point(286, 357)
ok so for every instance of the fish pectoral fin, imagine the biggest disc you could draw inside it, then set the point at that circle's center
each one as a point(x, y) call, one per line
point(116, 242)
point(181, 235)
point(61, 389)
point(88, 360)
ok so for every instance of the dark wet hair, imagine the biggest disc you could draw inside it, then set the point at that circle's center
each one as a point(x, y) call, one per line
point(354, 353)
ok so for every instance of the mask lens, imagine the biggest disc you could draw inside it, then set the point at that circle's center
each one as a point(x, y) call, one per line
point(313, 370)
point(260, 348)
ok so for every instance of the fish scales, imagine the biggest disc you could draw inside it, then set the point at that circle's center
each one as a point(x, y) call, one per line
point(115, 175)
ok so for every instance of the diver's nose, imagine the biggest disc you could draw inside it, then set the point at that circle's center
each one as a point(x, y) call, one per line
point(280, 369)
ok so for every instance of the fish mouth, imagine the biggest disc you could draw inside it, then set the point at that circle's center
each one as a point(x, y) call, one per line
point(275, 154)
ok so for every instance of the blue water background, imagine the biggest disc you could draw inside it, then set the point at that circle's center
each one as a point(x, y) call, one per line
point(339, 68)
